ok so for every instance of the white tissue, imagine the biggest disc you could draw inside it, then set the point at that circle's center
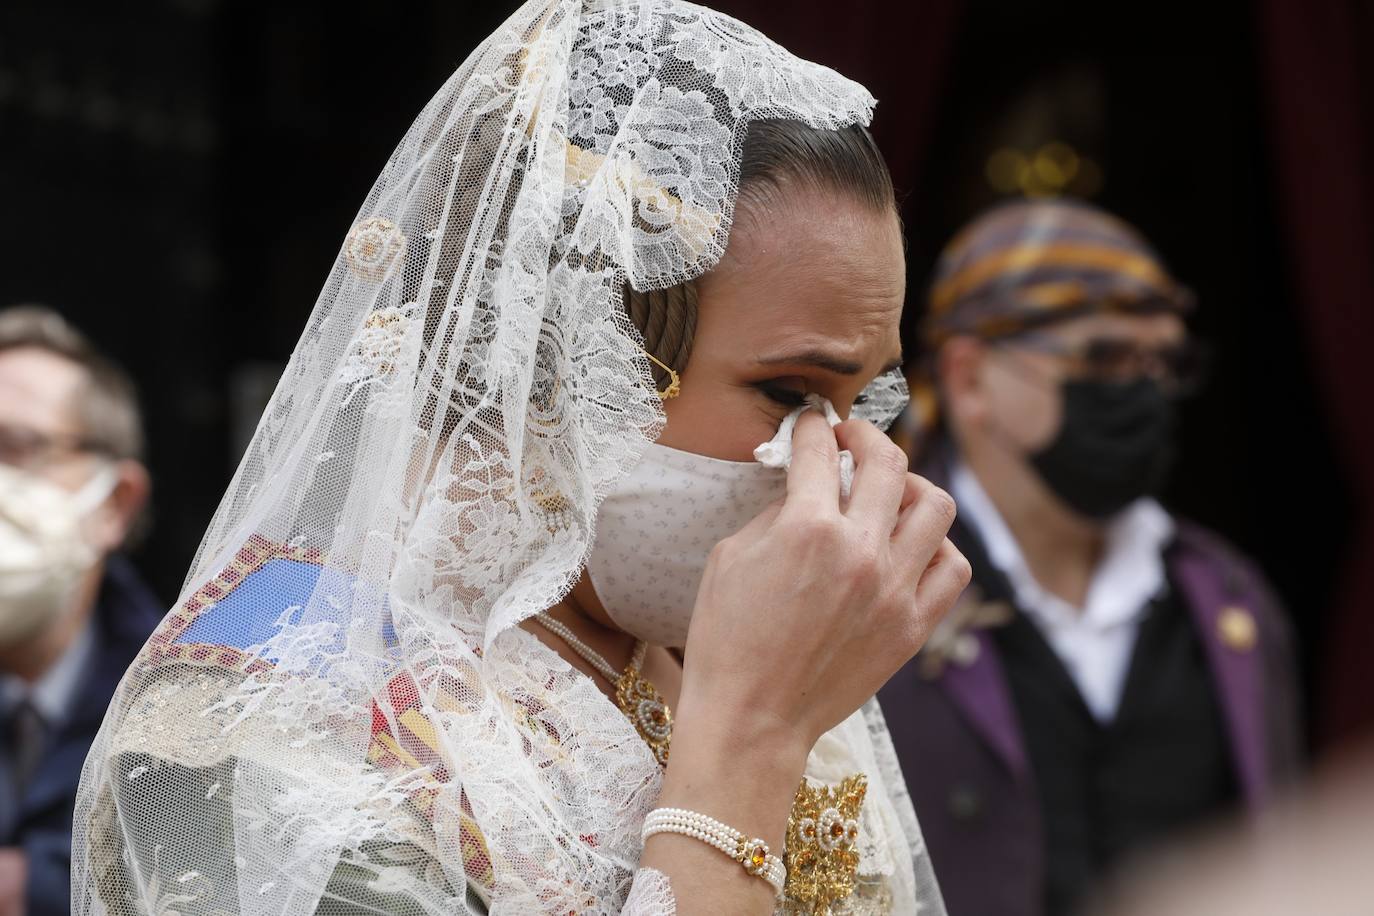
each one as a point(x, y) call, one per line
point(777, 452)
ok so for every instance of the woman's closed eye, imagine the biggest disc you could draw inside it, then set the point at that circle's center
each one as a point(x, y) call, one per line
point(787, 393)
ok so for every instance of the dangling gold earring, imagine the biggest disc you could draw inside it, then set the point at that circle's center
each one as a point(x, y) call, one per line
point(674, 381)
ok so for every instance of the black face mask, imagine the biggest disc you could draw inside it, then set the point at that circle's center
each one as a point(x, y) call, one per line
point(1114, 446)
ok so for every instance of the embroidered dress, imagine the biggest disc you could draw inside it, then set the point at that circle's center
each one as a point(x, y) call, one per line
point(341, 714)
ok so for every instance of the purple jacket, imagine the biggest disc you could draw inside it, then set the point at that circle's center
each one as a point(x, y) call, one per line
point(960, 745)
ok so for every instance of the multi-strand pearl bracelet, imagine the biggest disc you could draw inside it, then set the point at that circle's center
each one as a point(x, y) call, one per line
point(753, 854)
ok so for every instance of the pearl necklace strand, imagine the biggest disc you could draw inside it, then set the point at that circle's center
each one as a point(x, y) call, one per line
point(638, 700)
point(587, 653)
point(636, 697)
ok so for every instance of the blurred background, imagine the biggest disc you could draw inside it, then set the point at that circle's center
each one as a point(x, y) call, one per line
point(177, 176)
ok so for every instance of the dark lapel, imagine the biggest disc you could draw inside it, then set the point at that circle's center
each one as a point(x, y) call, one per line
point(125, 614)
point(980, 690)
point(1235, 662)
point(981, 694)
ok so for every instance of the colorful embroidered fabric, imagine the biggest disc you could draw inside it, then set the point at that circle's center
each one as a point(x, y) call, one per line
point(1030, 263)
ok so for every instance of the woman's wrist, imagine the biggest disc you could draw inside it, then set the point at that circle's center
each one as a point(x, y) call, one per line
point(740, 766)
point(739, 769)
point(736, 718)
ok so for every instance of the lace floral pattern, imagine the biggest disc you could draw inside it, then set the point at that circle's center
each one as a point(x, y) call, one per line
point(357, 722)
point(651, 895)
point(883, 401)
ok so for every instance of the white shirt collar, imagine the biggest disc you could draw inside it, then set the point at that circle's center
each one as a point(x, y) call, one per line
point(1094, 641)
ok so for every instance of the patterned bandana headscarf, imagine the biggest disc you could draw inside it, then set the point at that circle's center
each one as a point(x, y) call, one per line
point(1027, 264)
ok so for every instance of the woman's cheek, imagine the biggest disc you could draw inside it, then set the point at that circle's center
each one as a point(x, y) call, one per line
point(728, 427)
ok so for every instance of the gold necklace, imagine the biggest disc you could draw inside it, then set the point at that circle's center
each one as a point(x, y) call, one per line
point(637, 698)
point(823, 827)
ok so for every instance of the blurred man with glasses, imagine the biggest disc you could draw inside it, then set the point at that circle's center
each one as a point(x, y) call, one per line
point(72, 611)
point(1113, 675)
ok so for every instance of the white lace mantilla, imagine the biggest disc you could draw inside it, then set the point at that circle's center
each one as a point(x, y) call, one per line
point(340, 715)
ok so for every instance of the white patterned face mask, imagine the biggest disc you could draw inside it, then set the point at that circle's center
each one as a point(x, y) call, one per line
point(655, 530)
point(43, 548)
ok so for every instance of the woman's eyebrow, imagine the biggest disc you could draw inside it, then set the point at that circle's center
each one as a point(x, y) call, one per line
point(822, 360)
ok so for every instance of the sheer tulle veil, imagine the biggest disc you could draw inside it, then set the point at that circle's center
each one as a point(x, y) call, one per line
point(339, 714)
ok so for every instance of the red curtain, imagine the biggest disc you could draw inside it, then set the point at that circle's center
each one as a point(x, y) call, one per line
point(1320, 92)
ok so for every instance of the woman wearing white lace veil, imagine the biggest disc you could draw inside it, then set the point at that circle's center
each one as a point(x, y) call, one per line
point(424, 660)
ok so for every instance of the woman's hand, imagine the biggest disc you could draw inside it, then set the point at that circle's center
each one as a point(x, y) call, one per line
point(801, 617)
point(805, 613)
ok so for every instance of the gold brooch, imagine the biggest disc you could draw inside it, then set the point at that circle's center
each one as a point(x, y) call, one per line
point(382, 339)
point(641, 702)
point(552, 502)
point(821, 835)
point(372, 246)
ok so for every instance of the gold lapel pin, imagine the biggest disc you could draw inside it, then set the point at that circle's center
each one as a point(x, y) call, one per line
point(955, 640)
point(1236, 627)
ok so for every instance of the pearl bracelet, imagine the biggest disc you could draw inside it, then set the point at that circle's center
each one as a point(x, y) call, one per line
point(753, 854)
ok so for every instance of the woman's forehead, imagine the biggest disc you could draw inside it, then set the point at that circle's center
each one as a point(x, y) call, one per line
point(802, 314)
point(805, 227)
point(821, 265)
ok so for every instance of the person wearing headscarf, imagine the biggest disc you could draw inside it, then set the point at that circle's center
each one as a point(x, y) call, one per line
point(500, 614)
point(1114, 674)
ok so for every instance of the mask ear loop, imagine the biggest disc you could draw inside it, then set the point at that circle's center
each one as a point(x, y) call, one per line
point(674, 380)
point(96, 490)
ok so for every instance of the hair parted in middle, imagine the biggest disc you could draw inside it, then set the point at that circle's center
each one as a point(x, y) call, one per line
point(777, 154)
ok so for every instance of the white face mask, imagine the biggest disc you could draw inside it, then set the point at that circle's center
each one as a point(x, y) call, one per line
point(655, 530)
point(43, 548)
point(657, 527)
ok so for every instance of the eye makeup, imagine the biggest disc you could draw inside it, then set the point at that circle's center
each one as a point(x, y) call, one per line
point(775, 391)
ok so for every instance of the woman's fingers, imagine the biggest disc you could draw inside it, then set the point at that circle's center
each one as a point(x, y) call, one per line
point(944, 580)
point(879, 475)
point(927, 514)
point(813, 481)
point(915, 486)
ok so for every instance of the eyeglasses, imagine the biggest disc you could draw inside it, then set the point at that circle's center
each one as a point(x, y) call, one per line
point(27, 449)
point(1180, 369)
